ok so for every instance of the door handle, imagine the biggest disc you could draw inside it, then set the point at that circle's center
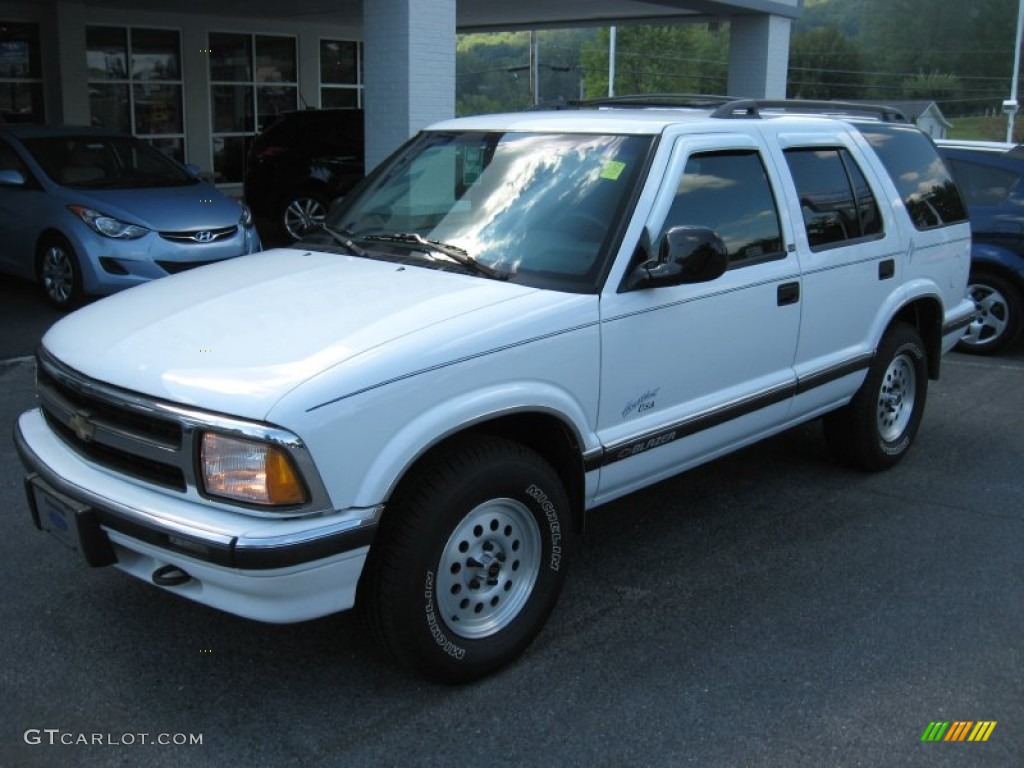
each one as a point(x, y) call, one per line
point(788, 293)
point(886, 269)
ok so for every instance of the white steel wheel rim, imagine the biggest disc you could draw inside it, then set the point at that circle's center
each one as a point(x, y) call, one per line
point(302, 215)
point(896, 398)
point(992, 313)
point(488, 568)
point(57, 274)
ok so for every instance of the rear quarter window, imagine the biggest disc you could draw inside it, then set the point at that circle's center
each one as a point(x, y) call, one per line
point(919, 173)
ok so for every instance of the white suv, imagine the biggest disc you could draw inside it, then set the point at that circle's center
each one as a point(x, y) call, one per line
point(513, 320)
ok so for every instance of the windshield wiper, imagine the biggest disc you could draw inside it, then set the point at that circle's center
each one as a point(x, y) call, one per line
point(458, 255)
point(343, 238)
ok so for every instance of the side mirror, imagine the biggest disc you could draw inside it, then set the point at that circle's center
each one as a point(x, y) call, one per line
point(12, 178)
point(687, 255)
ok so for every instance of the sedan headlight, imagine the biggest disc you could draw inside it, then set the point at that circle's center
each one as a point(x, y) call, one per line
point(107, 226)
point(250, 471)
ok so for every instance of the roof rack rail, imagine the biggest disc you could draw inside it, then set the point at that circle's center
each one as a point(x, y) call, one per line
point(656, 100)
point(753, 108)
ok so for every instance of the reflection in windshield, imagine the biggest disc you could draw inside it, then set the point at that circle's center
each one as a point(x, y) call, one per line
point(538, 207)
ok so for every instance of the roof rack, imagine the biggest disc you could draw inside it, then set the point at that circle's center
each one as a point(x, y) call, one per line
point(754, 107)
point(656, 100)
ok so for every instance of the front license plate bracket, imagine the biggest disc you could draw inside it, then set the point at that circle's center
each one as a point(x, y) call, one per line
point(74, 524)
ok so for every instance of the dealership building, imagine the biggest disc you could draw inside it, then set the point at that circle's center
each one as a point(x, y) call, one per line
point(199, 78)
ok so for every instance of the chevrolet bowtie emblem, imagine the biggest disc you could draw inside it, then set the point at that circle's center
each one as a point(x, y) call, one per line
point(81, 426)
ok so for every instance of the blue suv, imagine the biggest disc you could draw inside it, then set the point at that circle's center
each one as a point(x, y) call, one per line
point(990, 177)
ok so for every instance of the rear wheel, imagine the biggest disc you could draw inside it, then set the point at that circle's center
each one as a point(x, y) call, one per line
point(998, 318)
point(875, 430)
point(303, 213)
point(58, 272)
point(470, 560)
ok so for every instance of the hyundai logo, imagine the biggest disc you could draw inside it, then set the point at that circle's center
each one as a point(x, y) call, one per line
point(203, 237)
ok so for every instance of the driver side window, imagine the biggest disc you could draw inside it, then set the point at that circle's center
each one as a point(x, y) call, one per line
point(728, 192)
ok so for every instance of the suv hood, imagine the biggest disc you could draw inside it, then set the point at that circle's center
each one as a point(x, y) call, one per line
point(236, 336)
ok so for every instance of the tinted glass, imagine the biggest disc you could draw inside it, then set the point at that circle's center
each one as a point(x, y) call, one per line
point(836, 202)
point(106, 162)
point(923, 181)
point(106, 53)
point(983, 184)
point(729, 193)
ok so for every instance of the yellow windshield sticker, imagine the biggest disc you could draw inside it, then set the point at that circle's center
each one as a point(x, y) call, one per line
point(612, 170)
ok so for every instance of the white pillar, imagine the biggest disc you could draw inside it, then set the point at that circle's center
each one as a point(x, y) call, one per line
point(759, 56)
point(409, 82)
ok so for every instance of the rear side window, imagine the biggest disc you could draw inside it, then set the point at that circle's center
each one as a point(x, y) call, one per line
point(925, 184)
point(983, 184)
point(729, 193)
point(837, 203)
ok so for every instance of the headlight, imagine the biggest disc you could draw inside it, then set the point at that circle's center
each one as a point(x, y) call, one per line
point(107, 226)
point(246, 218)
point(250, 471)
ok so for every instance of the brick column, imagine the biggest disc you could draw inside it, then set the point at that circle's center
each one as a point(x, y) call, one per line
point(759, 56)
point(409, 78)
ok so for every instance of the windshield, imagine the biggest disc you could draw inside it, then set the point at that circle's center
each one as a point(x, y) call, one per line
point(107, 162)
point(538, 209)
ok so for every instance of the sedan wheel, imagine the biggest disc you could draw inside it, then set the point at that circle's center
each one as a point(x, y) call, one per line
point(302, 215)
point(58, 273)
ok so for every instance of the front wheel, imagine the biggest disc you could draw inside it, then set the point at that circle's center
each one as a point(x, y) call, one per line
point(58, 272)
point(875, 430)
point(470, 560)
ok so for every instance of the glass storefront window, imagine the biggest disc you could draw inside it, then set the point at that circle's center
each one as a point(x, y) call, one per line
point(340, 65)
point(331, 98)
point(155, 55)
point(338, 62)
point(275, 59)
point(232, 109)
point(230, 57)
point(253, 79)
point(158, 109)
point(109, 106)
point(106, 53)
point(21, 85)
point(135, 81)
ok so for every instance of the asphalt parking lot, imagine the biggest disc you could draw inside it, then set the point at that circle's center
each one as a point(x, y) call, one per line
point(769, 609)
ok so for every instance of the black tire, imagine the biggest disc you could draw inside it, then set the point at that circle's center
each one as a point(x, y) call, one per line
point(876, 429)
point(469, 561)
point(998, 319)
point(58, 272)
point(301, 213)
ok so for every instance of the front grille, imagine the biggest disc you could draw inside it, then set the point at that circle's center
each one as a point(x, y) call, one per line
point(200, 236)
point(156, 441)
point(121, 436)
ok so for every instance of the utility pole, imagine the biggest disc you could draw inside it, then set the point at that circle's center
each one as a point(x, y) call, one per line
point(611, 61)
point(1010, 106)
point(535, 69)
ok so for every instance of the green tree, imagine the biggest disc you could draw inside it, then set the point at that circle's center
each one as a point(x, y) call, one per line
point(680, 58)
point(824, 64)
